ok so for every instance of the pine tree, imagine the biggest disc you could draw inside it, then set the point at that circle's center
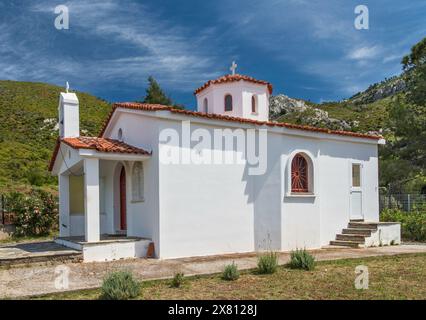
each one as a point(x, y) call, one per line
point(154, 94)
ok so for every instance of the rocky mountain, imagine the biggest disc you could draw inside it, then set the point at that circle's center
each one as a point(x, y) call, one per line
point(284, 108)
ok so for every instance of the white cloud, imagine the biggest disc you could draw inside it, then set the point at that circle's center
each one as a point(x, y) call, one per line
point(364, 53)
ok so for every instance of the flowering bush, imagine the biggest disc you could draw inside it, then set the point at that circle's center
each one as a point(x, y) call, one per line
point(34, 214)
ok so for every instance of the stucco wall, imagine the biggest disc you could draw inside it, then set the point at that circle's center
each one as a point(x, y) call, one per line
point(201, 209)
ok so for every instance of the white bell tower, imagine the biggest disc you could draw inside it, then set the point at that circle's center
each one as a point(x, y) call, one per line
point(235, 95)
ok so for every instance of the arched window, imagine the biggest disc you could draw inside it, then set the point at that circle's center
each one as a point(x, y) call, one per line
point(299, 174)
point(138, 182)
point(253, 104)
point(206, 105)
point(228, 102)
point(120, 134)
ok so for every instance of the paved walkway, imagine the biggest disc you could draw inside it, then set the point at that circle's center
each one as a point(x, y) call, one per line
point(27, 252)
point(26, 281)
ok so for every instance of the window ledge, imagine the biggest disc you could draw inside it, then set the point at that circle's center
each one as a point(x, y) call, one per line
point(300, 195)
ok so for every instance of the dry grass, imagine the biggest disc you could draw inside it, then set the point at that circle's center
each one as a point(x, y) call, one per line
point(392, 277)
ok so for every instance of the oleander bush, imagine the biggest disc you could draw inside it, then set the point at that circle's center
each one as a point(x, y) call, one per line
point(120, 285)
point(230, 272)
point(34, 213)
point(301, 259)
point(267, 263)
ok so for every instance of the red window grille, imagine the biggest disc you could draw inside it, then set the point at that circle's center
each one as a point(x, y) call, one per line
point(299, 174)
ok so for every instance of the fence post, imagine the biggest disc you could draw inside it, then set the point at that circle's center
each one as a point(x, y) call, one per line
point(408, 203)
point(2, 209)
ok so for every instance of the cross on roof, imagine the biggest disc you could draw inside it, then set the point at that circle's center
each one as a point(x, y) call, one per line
point(233, 67)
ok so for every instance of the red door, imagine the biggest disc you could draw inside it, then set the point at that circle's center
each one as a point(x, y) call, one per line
point(123, 225)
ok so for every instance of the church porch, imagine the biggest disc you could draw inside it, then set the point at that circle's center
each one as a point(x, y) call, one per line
point(99, 194)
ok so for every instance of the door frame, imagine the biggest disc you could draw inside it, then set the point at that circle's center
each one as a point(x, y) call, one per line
point(123, 196)
point(359, 189)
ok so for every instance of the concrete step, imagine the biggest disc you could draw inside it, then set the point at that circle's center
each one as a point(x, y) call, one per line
point(363, 225)
point(343, 243)
point(351, 237)
point(364, 232)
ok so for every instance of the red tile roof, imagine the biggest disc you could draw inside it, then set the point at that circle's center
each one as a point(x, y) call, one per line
point(159, 107)
point(233, 78)
point(98, 144)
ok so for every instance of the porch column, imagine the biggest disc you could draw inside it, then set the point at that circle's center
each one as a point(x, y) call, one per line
point(64, 206)
point(91, 197)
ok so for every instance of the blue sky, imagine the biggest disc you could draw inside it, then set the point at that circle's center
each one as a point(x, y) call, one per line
point(306, 49)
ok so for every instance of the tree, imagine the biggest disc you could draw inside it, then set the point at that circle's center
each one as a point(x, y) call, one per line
point(415, 66)
point(156, 95)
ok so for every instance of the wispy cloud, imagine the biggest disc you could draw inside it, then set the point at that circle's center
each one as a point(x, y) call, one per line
point(176, 56)
point(364, 53)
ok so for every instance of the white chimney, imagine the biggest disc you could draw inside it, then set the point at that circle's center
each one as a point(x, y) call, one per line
point(69, 120)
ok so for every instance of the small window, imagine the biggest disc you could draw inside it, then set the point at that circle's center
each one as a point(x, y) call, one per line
point(299, 174)
point(138, 182)
point(356, 175)
point(206, 105)
point(253, 104)
point(228, 102)
point(120, 134)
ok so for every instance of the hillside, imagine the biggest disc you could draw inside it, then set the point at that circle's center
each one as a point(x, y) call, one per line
point(366, 111)
point(28, 131)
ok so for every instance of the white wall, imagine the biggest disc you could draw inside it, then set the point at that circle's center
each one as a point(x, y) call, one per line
point(204, 209)
point(192, 209)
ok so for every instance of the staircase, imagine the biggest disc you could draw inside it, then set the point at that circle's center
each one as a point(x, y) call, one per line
point(355, 234)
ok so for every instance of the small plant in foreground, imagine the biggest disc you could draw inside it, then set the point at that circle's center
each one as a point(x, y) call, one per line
point(230, 273)
point(301, 259)
point(178, 280)
point(267, 263)
point(120, 285)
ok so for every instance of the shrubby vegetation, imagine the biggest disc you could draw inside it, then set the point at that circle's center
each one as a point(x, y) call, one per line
point(120, 285)
point(178, 280)
point(35, 213)
point(413, 224)
point(301, 259)
point(267, 263)
point(230, 272)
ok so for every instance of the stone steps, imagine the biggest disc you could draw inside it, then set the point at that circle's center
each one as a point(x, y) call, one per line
point(355, 234)
point(351, 237)
point(364, 232)
point(342, 243)
point(362, 225)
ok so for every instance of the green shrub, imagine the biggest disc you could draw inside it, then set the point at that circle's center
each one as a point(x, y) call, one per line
point(230, 273)
point(34, 214)
point(120, 285)
point(413, 224)
point(267, 263)
point(301, 259)
point(178, 280)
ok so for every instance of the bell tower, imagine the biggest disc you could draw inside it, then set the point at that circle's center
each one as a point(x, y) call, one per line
point(235, 95)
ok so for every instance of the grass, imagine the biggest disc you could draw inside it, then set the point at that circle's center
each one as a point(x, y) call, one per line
point(391, 277)
point(13, 239)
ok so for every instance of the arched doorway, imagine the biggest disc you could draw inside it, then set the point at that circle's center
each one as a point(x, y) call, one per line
point(123, 200)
